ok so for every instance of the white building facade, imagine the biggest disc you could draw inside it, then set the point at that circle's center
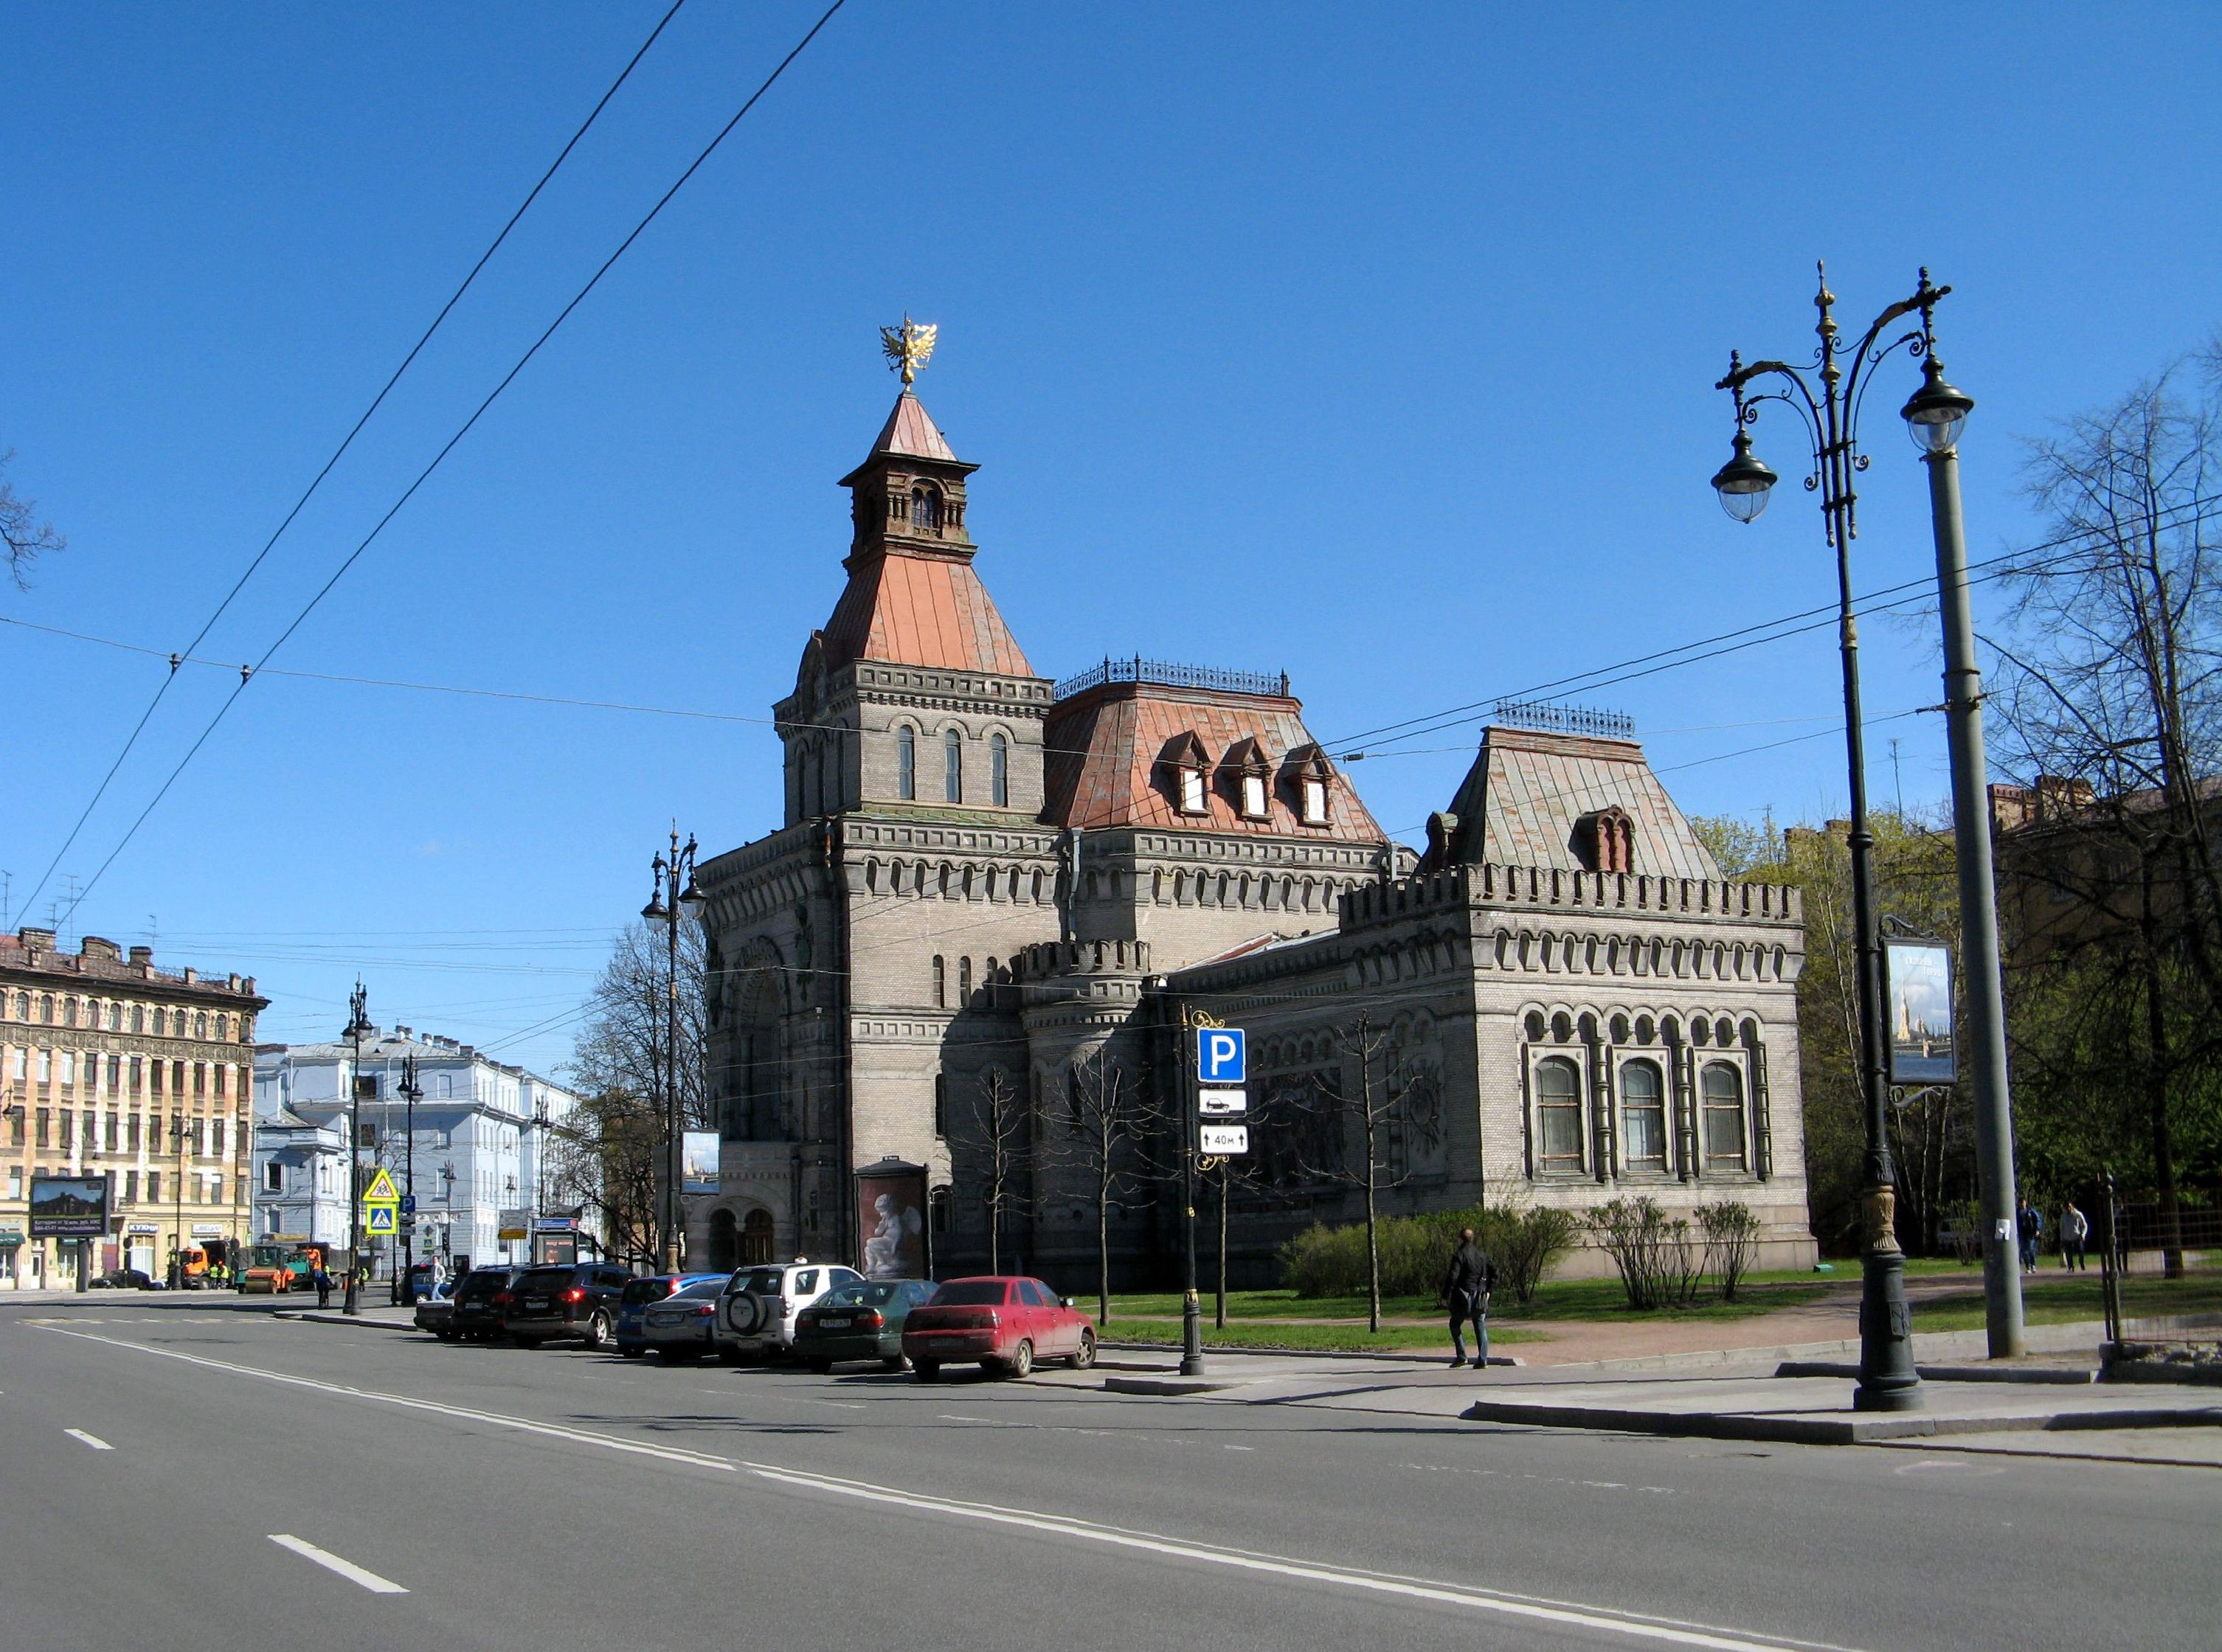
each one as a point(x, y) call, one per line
point(475, 1148)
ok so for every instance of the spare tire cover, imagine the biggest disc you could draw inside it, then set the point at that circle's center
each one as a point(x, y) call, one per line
point(741, 1313)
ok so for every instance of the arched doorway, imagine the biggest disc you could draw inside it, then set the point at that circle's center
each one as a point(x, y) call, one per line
point(755, 1238)
point(725, 1242)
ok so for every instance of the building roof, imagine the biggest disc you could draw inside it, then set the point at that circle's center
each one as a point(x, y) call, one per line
point(32, 951)
point(920, 611)
point(430, 1049)
point(1521, 803)
point(911, 432)
point(1107, 764)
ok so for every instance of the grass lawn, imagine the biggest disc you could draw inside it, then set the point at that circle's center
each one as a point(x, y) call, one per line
point(1339, 1337)
point(2059, 1299)
point(1556, 1300)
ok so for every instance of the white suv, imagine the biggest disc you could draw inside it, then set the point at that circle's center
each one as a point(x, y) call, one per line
point(756, 1309)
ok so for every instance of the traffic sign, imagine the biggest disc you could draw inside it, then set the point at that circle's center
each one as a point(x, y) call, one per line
point(379, 1219)
point(1218, 1056)
point(382, 1191)
point(1226, 1140)
point(409, 1205)
point(1209, 1102)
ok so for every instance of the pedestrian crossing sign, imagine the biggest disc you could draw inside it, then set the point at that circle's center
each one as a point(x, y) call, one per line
point(382, 1191)
point(379, 1219)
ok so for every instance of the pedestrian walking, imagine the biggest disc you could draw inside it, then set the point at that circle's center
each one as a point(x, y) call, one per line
point(323, 1281)
point(2075, 1234)
point(2030, 1227)
point(1467, 1286)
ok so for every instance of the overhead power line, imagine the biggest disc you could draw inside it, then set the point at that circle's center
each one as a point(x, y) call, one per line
point(246, 673)
point(131, 740)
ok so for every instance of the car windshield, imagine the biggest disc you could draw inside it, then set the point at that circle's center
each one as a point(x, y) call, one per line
point(545, 1278)
point(699, 1290)
point(970, 1293)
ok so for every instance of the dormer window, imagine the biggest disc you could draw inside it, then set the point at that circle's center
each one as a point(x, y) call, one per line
point(1186, 771)
point(1606, 840)
point(926, 509)
point(1253, 779)
point(1308, 776)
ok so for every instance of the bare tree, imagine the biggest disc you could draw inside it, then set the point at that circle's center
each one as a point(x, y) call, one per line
point(1391, 1094)
point(2110, 700)
point(1110, 1122)
point(24, 537)
point(609, 1160)
point(999, 1125)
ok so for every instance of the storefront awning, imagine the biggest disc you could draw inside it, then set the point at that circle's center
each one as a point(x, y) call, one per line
point(11, 1235)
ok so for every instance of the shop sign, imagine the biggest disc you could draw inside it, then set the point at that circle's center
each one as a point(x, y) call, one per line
point(207, 1230)
point(137, 1229)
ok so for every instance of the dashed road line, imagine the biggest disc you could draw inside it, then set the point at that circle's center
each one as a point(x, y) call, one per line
point(92, 1440)
point(331, 1563)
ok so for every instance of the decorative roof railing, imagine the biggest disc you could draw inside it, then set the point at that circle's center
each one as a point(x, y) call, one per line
point(1138, 669)
point(1546, 718)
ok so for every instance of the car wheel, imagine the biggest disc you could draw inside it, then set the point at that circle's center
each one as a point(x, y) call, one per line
point(821, 1367)
point(1022, 1360)
point(1086, 1356)
point(928, 1370)
point(597, 1331)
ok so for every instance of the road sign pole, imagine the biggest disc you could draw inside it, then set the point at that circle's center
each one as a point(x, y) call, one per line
point(1191, 1364)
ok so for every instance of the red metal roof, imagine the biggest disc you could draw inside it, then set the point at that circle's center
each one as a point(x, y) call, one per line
point(921, 610)
point(1104, 769)
point(911, 432)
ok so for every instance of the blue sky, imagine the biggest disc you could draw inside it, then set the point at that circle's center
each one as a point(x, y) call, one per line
point(1373, 344)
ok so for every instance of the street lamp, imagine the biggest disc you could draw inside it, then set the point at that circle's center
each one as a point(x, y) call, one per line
point(1935, 416)
point(357, 1028)
point(410, 1092)
point(666, 912)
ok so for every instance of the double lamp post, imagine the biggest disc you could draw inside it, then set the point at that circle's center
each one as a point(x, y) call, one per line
point(1827, 396)
point(675, 888)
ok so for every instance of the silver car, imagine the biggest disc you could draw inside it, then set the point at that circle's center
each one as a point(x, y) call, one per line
point(683, 1325)
point(757, 1307)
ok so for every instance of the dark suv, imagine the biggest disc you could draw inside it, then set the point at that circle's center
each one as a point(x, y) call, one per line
point(480, 1300)
point(572, 1300)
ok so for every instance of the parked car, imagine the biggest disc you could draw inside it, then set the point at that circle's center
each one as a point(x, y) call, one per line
point(633, 1304)
point(758, 1308)
point(480, 1300)
point(1001, 1324)
point(437, 1314)
point(423, 1279)
point(126, 1278)
point(684, 1325)
point(565, 1302)
point(858, 1322)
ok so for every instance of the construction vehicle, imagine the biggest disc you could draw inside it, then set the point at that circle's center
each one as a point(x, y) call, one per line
point(274, 1269)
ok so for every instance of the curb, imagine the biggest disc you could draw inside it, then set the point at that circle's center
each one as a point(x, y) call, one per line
point(1825, 1431)
point(1166, 1387)
point(1397, 1357)
point(2056, 1375)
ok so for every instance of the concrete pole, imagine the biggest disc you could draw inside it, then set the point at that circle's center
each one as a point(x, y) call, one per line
point(1979, 917)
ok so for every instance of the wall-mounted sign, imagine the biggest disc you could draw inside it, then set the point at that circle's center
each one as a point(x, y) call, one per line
point(1226, 1140)
point(698, 1163)
point(1918, 994)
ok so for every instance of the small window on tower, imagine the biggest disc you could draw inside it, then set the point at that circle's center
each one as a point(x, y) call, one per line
point(999, 771)
point(1252, 777)
point(906, 764)
point(926, 509)
point(1185, 771)
point(952, 764)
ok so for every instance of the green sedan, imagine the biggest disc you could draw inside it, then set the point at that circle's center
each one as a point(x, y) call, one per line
point(858, 1322)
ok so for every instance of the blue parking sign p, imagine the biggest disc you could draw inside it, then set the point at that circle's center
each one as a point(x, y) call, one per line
point(1218, 1056)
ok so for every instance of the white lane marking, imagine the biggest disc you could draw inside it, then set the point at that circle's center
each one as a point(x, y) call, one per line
point(1673, 1631)
point(1240, 1448)
point(991, 1422)
point(92, 1440)
point(495, 1419)
point(332, 1563)
point(844, 1405)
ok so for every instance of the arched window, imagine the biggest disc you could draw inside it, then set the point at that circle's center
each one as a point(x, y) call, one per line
point(940, 984)
point(1558, 1115)
point(926, 509)
point(69, 1012)
point(46, 1009)
point(906, 764)
point(138, 1018)
point(22, 1006)
point(963, 981)
point(952, 766)
point(114, 1016)
point(941, 1104)
point(200, 1023)
point(755, 1238)
point(1643, 1114)
point(999, 771)
point(1722, 1087)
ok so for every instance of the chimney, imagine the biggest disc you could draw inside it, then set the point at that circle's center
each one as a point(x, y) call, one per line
point(142, 954)
point(191, 975)
point(37, 940)
point(94, 946)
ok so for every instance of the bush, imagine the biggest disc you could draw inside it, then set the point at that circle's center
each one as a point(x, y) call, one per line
point(1731, 1235)
point(1330, 1261)
point(1659, 1266)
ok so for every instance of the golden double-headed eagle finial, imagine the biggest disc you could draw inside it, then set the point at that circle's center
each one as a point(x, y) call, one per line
point(909, 347)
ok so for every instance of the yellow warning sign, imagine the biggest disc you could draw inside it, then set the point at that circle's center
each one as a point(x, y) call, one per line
point(382, 1191)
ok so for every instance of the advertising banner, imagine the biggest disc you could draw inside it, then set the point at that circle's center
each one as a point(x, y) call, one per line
point(1918, 990)
point(698, 1164)
point(69, 1207)
point(891, 1221)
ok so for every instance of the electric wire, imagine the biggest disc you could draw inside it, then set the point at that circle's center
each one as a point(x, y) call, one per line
point(376, 402)
point(248, 673)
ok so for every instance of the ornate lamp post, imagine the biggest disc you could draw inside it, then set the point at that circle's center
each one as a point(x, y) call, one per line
point(1827, 396)
point(357, 1029)
point(411, 1090)
point(668, 873)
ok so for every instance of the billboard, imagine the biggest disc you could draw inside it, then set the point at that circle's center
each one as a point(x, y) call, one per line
point(891, 1221)
point(69, 1207)
point(698, 1163)
point(1917, 992)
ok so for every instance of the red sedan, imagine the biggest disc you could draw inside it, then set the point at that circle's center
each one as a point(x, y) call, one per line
point(1003, 1324)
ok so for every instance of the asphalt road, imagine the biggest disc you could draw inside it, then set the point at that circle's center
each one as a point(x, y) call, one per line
point(207, 1477)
